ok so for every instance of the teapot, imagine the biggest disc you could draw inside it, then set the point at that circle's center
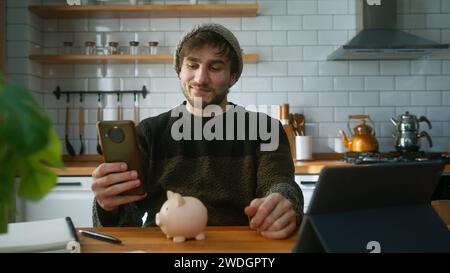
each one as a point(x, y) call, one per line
point(409, 141)
point(407, 122)
point(407, 136)
point(363, 139)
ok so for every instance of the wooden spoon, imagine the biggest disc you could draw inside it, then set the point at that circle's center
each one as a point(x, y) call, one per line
point(99, 118)
point(293, 122)
point(136, 110)
point(300, 121)
point(119, 108)
point(69, 146)
point(81, 125)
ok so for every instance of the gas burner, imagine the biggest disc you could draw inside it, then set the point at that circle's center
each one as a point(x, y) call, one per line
point(393, 157)
point(361, 158)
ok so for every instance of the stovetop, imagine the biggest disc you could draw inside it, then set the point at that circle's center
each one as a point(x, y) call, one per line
point(394, 157)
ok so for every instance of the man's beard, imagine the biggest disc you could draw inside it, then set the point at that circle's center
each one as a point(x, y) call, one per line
point(217, 99)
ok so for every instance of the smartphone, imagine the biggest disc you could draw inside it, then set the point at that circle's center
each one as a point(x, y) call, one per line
point(118, 140)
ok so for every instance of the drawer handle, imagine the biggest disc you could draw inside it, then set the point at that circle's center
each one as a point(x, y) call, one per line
point(69, 184)
point(307, 182)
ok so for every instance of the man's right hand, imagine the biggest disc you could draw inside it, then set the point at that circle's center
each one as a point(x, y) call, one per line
point(112, 179)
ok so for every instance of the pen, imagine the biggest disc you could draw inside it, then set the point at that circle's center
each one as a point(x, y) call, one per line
point(100, 236)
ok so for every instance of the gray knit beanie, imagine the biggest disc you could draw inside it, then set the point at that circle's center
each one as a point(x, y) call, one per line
point(219, 29)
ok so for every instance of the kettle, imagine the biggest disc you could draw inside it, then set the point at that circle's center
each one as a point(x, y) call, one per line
point(406, 134)
point(407, 122)
point(363, 139)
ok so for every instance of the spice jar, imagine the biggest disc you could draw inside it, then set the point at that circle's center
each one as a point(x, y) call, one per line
point(67, 48)
point(89, 48)
point(153, 47)
point(134, 46)
point(113, 48)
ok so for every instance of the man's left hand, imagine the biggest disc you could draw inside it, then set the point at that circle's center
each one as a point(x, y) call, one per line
point(274, 216)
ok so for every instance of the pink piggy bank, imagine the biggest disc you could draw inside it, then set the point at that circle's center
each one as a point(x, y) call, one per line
point(182, 217)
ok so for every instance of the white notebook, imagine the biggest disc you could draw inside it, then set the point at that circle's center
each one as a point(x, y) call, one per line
point(55, 235)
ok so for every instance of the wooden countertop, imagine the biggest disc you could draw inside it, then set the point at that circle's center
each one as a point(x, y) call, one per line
point(82, 165)
point(78, 168)
point(218, 239)
point(85, 165)
point(316, 166)
point(322, 160)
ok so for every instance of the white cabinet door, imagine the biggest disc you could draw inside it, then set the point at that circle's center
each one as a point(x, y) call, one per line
point(307, 184)
point(72, 196)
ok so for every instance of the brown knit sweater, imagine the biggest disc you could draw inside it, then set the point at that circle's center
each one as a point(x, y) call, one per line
point(226, 175)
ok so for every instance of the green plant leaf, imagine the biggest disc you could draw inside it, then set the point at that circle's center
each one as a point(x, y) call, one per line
point(3, 218)
point(23, 124)
point(7, 173)
point(36, 179)
point(28, 144)
point(51, 154)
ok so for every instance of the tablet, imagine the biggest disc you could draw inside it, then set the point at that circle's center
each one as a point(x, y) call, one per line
point(379, 207)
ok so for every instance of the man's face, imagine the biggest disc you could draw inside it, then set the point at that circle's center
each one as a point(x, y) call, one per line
point(206, 75)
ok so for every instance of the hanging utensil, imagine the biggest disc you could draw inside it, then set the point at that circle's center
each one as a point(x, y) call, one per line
point(136, 110)
point(300, 121)
point(294, 124)
point(81, 124)
point(119, 108)
point(69, 146)
point(99, 118)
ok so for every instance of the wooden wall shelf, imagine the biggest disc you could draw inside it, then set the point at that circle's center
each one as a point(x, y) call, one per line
point(146, 59)
point(144, 11)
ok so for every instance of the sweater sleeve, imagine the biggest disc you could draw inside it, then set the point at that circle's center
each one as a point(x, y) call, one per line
point(275, 173)
point(127, 216)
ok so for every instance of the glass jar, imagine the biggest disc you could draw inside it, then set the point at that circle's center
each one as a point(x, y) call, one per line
point(137, 2)
point(153, 47)
point(101, 2)
point(89, 48)
point(67, 48)
point(100, 50)
point(123, 50)
point(134, 47)
point(113, 48)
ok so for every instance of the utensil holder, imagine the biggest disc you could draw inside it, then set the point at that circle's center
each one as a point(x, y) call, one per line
point(303, 147)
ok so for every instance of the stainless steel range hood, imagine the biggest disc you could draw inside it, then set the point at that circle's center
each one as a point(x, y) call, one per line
point(380, 39)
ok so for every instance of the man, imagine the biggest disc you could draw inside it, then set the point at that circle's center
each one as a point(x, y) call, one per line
point(239, 179)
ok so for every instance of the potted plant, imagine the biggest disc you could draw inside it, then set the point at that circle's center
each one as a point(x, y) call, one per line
point(29, 147)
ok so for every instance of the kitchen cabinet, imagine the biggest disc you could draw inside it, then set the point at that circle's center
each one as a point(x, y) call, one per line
point(307, 183)
point(72, 196)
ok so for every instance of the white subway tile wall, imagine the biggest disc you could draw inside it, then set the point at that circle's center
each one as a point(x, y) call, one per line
point(293, 39)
